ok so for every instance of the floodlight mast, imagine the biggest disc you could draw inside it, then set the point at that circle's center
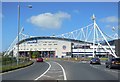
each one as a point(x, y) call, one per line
point(113, 53)
point(97, 28)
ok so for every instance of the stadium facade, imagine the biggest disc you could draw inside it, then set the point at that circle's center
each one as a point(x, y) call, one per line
point(59, 47)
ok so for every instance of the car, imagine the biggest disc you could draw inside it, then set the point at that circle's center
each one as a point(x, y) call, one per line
point(39, 59)
point(95, 61)
point(113, 63)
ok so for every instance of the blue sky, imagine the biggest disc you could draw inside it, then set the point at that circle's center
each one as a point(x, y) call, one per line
point(48, 18)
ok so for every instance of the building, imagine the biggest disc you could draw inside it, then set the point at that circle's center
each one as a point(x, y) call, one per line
point(117, 47)
point(59, 47)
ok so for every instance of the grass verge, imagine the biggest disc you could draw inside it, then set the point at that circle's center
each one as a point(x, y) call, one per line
point(81, 59)
point(10, 68)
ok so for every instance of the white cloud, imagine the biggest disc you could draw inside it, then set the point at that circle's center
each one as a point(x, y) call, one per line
point(49, 20)
point(110, 19)
point(76, 11)
point(115, 27)
point(108, 26)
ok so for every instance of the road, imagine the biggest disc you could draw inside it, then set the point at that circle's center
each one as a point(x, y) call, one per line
point(28, 73)
point(63, 70)
point(85, 71)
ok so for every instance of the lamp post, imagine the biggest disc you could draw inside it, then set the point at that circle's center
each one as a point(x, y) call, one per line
point(94, 22)
point(29, 6)
point(18, 33)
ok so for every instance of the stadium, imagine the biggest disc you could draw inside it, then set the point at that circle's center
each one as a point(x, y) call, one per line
point(59, 47)
point(88, 41)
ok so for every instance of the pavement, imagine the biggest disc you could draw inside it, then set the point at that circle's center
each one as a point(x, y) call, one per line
point(63, 70)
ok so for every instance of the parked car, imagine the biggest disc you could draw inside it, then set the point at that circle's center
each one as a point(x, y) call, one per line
point(113, 63)
point(39, 59)
point(95, 61)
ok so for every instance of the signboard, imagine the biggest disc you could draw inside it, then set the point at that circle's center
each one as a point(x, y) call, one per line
point(64, 47)
point(32, 41)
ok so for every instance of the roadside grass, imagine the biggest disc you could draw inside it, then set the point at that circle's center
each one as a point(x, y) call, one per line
point(75, 59)
point(13, 67)
point(103, 59)
point(80, 59)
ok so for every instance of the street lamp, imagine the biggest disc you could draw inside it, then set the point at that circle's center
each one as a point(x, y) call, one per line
point(29, 6)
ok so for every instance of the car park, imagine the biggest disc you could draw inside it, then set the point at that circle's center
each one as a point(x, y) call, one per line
point(113, 63)
point(95, 61)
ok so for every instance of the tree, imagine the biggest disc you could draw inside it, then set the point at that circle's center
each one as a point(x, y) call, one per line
point(35, 54)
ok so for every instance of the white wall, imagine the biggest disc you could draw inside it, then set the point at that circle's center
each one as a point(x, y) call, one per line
point(46, 45)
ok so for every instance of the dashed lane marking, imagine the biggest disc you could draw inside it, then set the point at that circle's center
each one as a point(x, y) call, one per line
point(65, 78)
point(60, 76)
point(54, 72)
point(48, 76)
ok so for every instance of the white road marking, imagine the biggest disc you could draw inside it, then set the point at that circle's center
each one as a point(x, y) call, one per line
point(105, 69)
point(54, 69)
point(59, 79)
point(111, 70)
point(48, 76)
point(60, 76)
point(65, 78)
point(115, 71)
point(93, 66)
point(16, 70)
point(54, 72)
point(44, 72)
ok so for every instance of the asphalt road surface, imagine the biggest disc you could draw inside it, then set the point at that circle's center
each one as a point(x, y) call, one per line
point(28, 73)
point(63, 70)
point(85, 71)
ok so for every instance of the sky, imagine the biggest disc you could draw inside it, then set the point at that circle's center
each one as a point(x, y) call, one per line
point(61, 0)
point(48, 18)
